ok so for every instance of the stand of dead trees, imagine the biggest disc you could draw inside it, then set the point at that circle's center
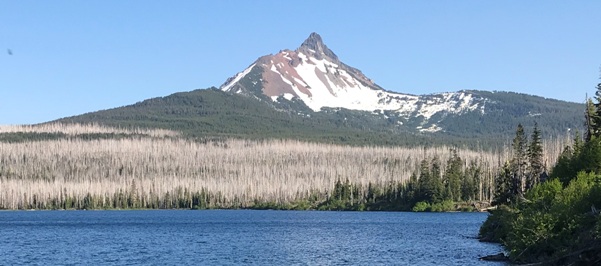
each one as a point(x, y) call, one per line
point(158, 169)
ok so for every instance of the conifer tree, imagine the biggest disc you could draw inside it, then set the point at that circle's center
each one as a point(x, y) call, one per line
point(413, 188)
point(504, 185)
point(535, 157)
point(424, 191)
point(563, 169)
point(596, 118)
point(519, 161)
point(469, 186)
point(435, 175)
point(578, 144)
point(453, 175)
point(591, 120)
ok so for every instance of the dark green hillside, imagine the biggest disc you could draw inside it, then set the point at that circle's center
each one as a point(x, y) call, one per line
point(213, 113)
point(504, 110)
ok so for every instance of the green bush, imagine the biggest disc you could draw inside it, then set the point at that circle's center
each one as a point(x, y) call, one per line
point(444, 206)
point(552, 223)
point(497, 225)
point(421, 206)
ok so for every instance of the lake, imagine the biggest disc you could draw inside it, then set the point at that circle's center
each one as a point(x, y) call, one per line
point(239, 237)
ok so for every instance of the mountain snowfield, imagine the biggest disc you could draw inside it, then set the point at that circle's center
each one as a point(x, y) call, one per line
point(315, 75)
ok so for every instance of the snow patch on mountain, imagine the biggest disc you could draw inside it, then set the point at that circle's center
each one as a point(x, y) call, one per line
point(451, 102)
point(432, 128)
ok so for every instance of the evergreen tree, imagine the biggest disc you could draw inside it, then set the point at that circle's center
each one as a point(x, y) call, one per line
point(564, 167)
point(413, 188)
point(423, 182)
point(435, 175)
point(132, 197)
point(504, 182)
point(578, 145)
point(535, 157)
point(469, 186)
point(591, 120)
point(453, 176)
point(519, 161)
point(589, 159)
point(596, 118)
point(430, 185)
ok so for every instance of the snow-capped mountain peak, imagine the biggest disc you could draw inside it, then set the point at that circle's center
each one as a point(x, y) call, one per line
point(314, 74)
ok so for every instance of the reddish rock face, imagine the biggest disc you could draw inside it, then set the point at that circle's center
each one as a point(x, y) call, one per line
point(284, 63)
point(280, 75)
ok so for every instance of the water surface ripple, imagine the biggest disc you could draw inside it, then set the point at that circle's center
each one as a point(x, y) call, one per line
point(241, 237)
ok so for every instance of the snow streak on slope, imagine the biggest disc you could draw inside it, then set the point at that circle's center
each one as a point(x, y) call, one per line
point(237, 78)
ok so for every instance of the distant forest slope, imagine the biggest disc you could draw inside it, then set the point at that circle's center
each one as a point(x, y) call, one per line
point(210, 113)
point(504, 110)
point(214, 113)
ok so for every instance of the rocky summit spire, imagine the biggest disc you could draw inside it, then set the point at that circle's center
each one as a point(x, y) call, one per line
point(314, 45)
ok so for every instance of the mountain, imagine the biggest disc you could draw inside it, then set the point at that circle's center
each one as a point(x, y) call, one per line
point(314, 75)
point(310, 94)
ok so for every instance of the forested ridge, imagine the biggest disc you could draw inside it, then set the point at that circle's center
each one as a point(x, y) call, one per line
point(555, 222)
point(211, 113)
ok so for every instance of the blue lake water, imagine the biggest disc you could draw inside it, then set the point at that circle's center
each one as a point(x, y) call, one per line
point(240, 237)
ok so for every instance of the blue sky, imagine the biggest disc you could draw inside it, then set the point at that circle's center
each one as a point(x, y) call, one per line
point(72, 57)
